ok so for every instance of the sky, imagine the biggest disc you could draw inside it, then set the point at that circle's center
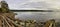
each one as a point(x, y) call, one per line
point(33, 4)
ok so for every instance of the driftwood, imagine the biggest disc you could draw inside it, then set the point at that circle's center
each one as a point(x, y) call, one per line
point(6, 21)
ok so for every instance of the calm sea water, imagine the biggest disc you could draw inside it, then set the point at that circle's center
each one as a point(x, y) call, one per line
point(38, 15)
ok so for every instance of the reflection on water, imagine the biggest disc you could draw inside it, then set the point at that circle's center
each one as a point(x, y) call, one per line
point(38, 15)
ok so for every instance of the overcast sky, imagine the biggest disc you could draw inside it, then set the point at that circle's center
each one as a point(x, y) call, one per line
point(33, 4)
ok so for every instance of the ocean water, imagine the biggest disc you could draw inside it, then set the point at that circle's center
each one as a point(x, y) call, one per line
point(43, 16)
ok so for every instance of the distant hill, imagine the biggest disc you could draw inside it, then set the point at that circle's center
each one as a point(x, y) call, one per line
point(35, 10)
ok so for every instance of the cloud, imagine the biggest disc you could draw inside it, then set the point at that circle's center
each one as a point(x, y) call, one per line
point(0, 0)
point(38, 4)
